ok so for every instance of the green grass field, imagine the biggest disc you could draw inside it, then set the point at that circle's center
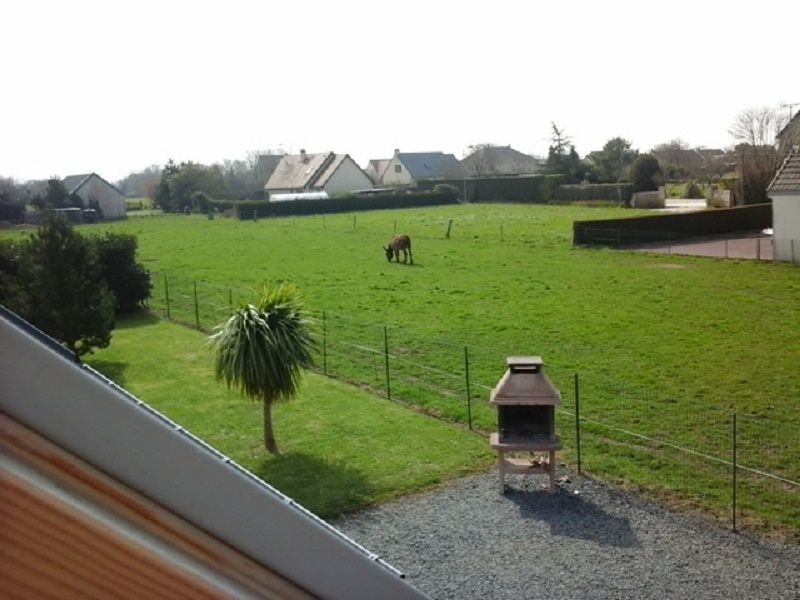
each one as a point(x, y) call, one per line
point(666, 347)
point(342, 448)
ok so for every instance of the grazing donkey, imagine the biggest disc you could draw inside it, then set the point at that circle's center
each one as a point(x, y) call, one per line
point(396, 244)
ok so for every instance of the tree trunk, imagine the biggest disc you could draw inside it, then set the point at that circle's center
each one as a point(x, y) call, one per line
point(269, 435)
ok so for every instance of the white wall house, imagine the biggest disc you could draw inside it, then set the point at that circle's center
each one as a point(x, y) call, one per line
point(91, 188)
point(326, 172)
point(785, 193)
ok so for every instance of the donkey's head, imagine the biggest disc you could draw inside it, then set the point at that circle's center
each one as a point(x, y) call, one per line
point(389, 253)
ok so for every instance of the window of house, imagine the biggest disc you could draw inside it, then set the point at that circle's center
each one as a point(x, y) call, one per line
point(398, 169)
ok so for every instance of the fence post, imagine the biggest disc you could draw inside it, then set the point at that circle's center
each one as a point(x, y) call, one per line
point(166, 293)
point(230, 300)
point(196, 307)
point(386, 360)
point(354, 222)
point(449, 226)
point(324, 343)
point(733, 475)
point(501, 232)
point(578, 421)
point(469, 396)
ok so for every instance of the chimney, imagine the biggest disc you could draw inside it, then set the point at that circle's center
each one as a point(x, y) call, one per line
point(396, 152)
point(303, 156)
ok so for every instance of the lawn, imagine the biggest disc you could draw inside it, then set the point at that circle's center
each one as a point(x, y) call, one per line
point(665, 347)
point(342, 448)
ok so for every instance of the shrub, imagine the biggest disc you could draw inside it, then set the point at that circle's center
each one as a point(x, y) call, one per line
point(128, 280)
point(646, 173)
point(200, 202)
point(445, 188)
point(693, 191)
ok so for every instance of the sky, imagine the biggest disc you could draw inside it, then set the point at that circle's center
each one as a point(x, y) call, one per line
point(113, 87)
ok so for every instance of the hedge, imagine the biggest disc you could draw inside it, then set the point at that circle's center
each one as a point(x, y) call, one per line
point(664, 227)
point(613, 192)
point(247, 209)
point(537, 189)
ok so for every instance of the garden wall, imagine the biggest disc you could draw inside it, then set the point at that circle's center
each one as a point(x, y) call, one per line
point(664, 227)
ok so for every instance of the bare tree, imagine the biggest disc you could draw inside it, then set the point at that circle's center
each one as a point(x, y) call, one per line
point(478, 160)
point(757, 126)
point(755, 129)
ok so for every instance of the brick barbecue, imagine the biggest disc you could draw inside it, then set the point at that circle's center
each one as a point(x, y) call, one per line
point(525, 400)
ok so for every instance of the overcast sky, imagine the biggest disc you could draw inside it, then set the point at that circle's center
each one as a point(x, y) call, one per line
point(113, 87)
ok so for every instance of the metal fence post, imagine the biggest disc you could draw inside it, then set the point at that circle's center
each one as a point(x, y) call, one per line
point(166, 293)
point(196, 307)
point(578, 421)
point(469, 396)
point(324, 343)
point(733, 474)
point(386, 360)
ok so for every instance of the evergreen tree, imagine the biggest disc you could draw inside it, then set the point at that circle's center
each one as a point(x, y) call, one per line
point(646, 173)
point(63, 292)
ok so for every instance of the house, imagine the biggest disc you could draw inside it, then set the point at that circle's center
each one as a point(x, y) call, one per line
point(411, 168)
point(376, 168)
point(488, 161)
point(96, 192)
point(102, 496)
point(264, 167)
point(789, 136)
point(327, 172)
point(785, 193)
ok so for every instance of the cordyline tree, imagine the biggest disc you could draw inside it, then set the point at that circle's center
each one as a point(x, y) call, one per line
point(262, 350)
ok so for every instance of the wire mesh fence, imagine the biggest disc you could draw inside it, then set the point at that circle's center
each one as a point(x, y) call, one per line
point(743, 470)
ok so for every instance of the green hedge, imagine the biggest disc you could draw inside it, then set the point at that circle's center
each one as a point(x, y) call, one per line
point(537, 189)
point(247, 209)
point(613, 192)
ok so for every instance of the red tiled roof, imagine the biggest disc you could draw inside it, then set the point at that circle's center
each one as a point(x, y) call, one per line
point(787, 179)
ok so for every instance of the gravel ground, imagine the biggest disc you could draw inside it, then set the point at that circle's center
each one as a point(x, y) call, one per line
point(589, 540)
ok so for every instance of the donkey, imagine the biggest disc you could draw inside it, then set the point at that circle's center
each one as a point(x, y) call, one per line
point(396, 244)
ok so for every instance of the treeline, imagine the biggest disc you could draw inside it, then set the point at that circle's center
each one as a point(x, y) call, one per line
point(71, 286)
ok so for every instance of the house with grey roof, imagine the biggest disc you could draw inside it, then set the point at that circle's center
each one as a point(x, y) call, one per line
point(326, 172)
point(102, 496)
point(487, 161)
point(94, 191)
point(785, 193)
point(411, 168)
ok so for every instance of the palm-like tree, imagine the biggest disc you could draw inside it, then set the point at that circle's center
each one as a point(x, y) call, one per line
point(262, 349)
